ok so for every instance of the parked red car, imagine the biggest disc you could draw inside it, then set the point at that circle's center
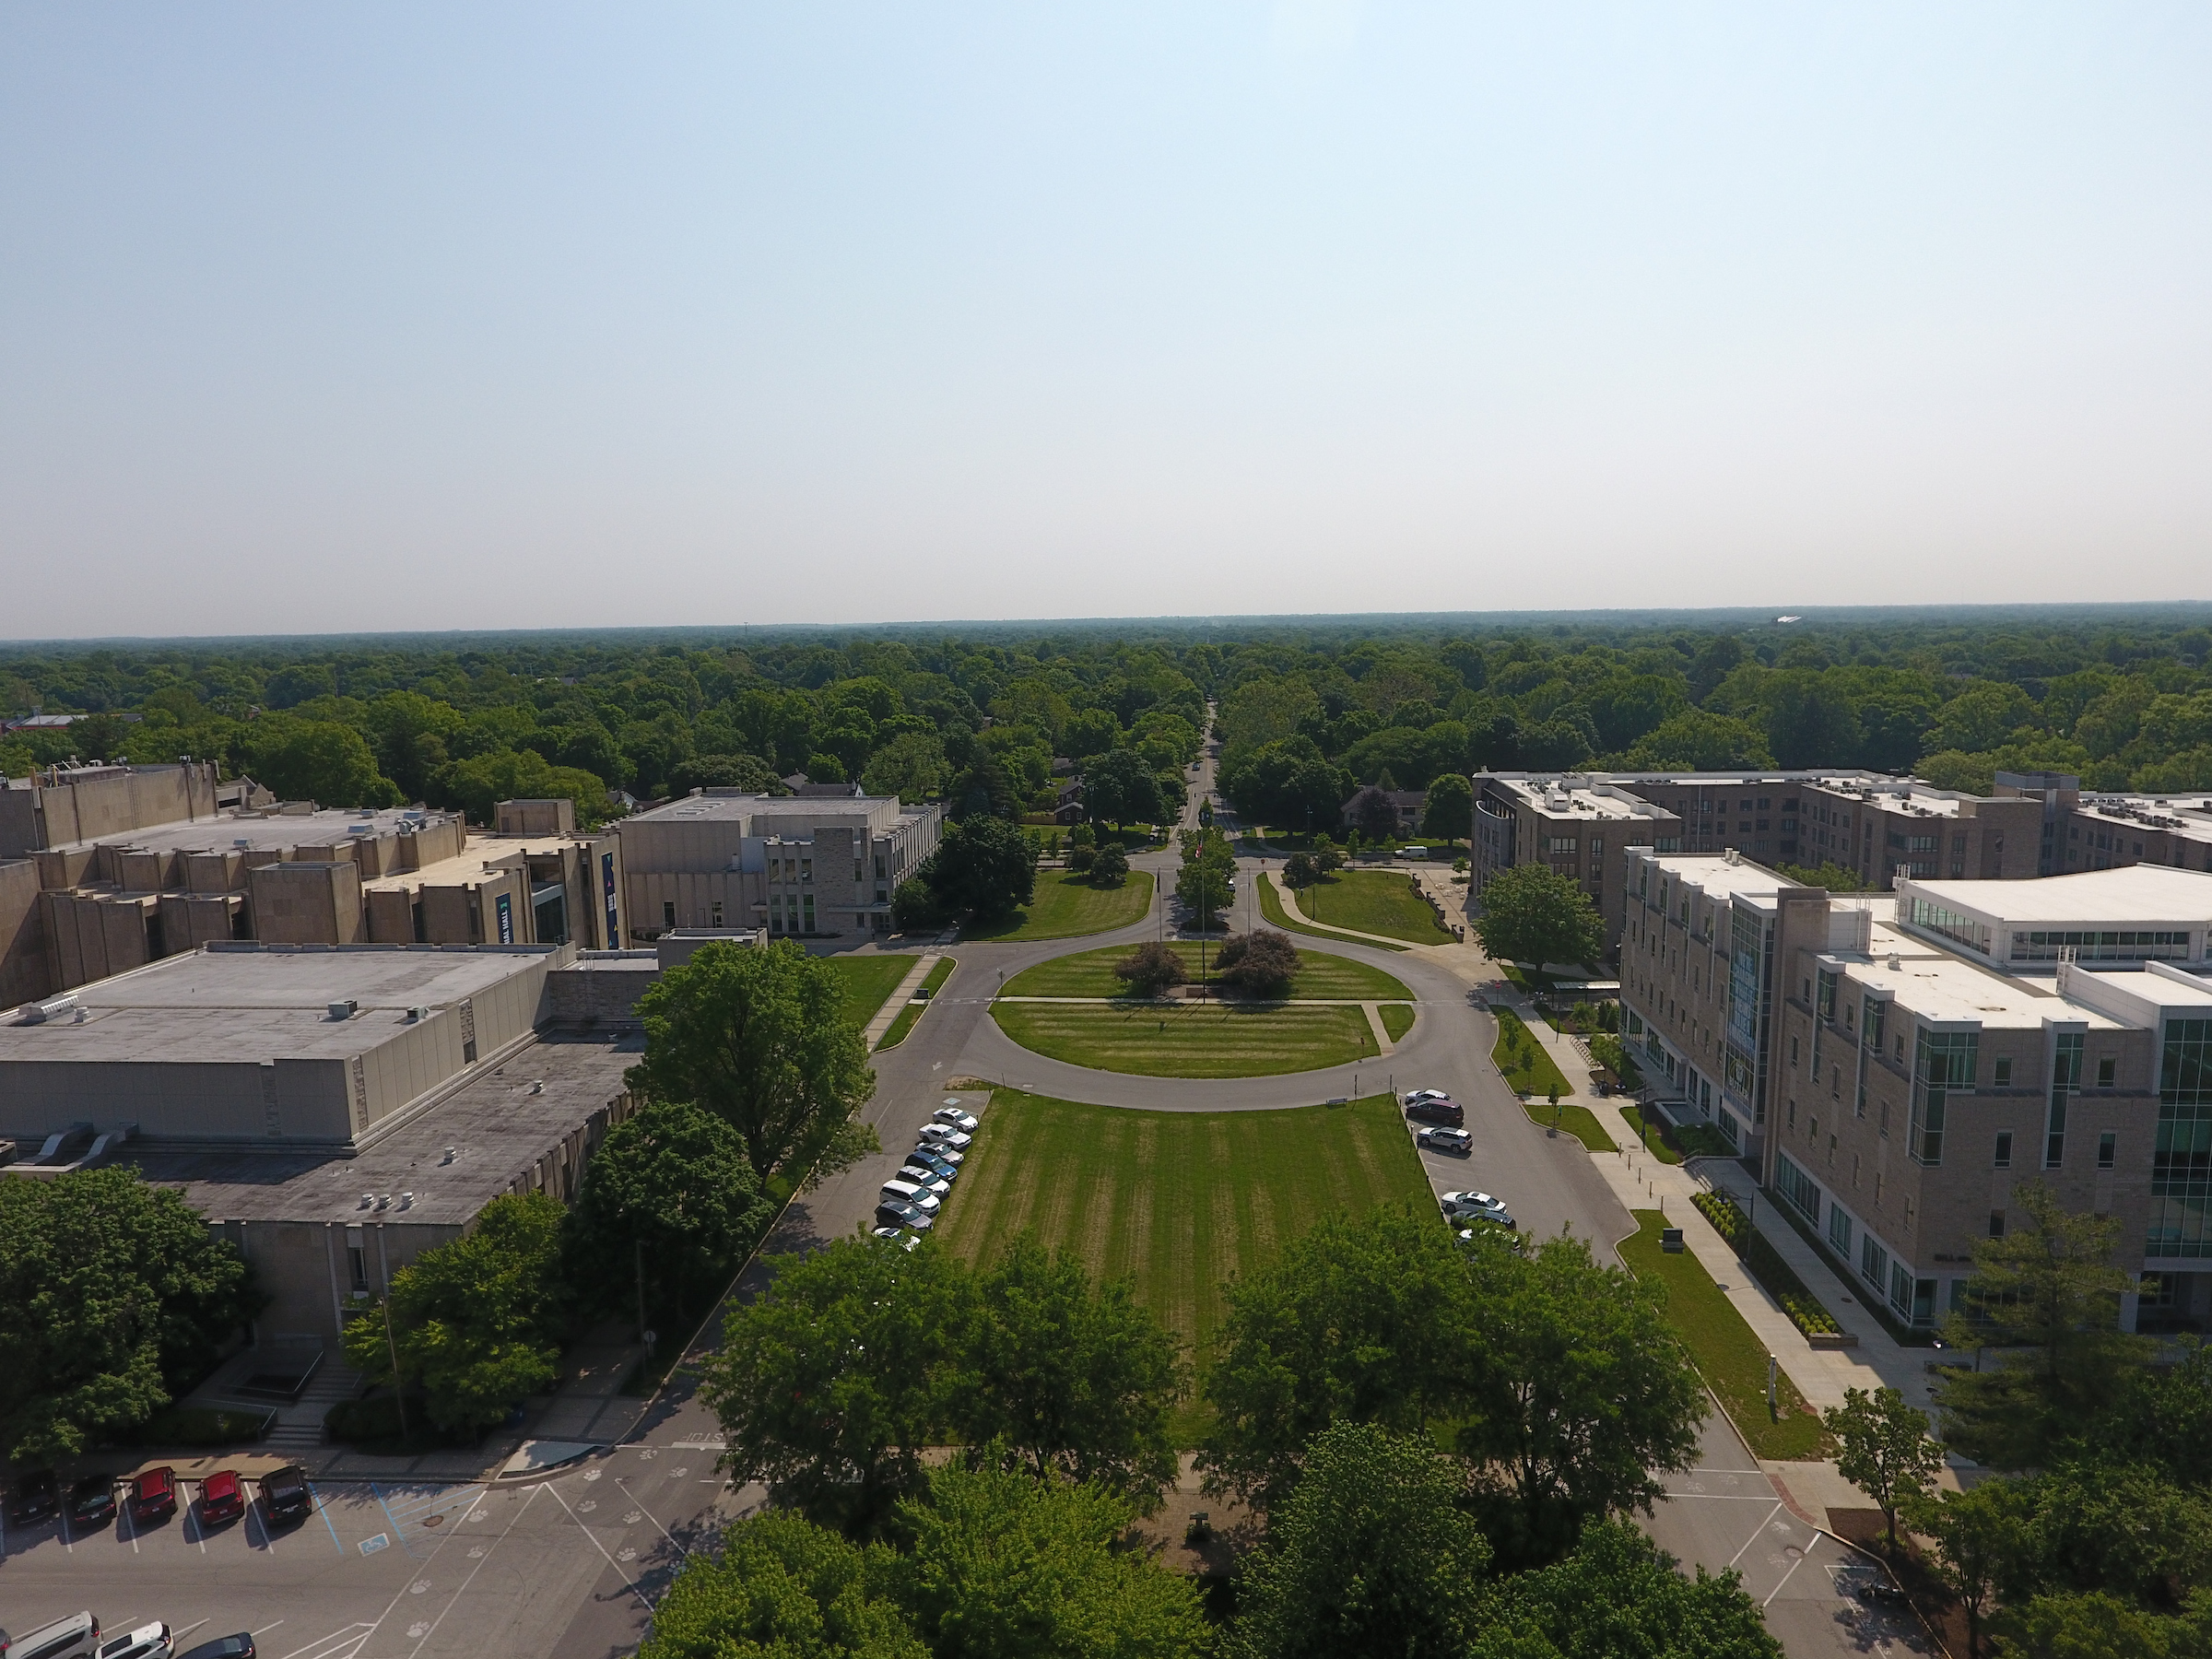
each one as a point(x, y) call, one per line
point(222, 1498)
point(154, 1495)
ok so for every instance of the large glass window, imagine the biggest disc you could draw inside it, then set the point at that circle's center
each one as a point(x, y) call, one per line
point(1969, 931)
point(1873, 1261)
point(2158, 945)
point(1797, 1186)
point(2065, 1079)
point(1942, 1062)
point(1839, 1231)
point(2180, 1169)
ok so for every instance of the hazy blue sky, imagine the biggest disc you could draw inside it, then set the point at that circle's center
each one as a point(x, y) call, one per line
point(316, 317)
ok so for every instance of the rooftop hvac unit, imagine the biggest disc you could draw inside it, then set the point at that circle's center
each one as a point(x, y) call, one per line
point(38, 1012)
point(344, 1010)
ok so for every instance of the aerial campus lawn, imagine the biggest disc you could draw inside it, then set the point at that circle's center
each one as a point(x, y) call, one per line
point(1066, 907)
point(1376, 902)
point(1180, 1201)
point(1271, 907)
point(867, 981)
point(1320, 976)
point(1190, 1039)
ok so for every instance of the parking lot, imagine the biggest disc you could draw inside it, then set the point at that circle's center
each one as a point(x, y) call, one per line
point(377, 1571)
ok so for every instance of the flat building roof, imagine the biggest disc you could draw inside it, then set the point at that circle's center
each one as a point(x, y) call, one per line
point(260, 831)
point(496, 1125)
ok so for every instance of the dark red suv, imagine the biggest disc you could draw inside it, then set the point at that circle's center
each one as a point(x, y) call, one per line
point(154, 1495)
point(1446, 1112)
point(222, 1498)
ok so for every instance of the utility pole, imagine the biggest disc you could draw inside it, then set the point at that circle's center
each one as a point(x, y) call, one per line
point(399, 1385)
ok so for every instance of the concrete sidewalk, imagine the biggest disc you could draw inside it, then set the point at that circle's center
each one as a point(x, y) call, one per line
point(895, 1004)
point(1643, 1182)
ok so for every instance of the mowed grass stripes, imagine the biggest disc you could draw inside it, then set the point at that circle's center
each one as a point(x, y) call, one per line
point(1320, 976)
point(1178, 1201)
point(1190, 1039)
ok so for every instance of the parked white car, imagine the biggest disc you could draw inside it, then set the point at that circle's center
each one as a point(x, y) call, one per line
point(954, 1118)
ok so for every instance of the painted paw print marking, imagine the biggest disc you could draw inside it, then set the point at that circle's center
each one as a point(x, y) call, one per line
point(477, 1554)
point(631, 1519)
point(626, 1555)
point(418, 1586)
point(586, 1507)
point(419, 1630)
point(593, 1473)
point(679, 1474)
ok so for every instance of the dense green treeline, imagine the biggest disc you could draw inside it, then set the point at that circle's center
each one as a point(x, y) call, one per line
point(1308, 711)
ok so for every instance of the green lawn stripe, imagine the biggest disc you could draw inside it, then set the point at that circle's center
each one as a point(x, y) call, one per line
point(1067, 906)
point(1374, 902)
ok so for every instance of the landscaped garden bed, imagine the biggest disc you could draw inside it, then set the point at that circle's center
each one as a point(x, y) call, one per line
point(1765, 1264)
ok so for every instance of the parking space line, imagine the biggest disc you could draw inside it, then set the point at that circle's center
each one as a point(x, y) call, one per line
point(1785, 1579)
point(188, 1629)
point(268, 1538)
point(323, 1510)
point(123, 1516)
point(480, 1567)
point(263, 1630)
point(193, 1529)
point(398, 1532)
point(598, 1545)
point(328, 1647)
point(1755, 1534)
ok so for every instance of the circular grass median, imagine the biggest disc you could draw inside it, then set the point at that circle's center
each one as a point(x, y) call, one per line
point(1320, 977)
point(1190, 1039)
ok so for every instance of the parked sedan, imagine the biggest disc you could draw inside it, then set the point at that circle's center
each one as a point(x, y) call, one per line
point(952, 1156)
point(222, 1498)
point(956, 1118)
point(147, 1642)
point(240, 1646)
point(154, 1495)
point(1455, 1141)
point(892, 1235)
point(943, 1168)
point(1439, 1111)
point(1471, 1200)
point(944, 1135)
point(893, 1212)
point(1415, 1097)
point(92, 1501)
point(36, 1496)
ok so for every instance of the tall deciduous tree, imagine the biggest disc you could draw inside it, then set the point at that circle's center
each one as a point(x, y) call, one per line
point(1584, 1392)
point(1885, 1450)
point(1617, 1594)
point(111, 1292)
point(1973, 1532)
point(1371, 1554)
point(1119, 788)
point(1008, 1566)
point(831, 1384)
point(1372, 813)
point(2047, 1295)
point(1532, 913)
point(318, 760)
point(1363, 1321)
point(1448, 810)
point(472, 1322)
point(669, 1197)
point(1109, 866)
point(783, 1588)
point(1079, 1378)
point(755, 1035)
point(984, 866)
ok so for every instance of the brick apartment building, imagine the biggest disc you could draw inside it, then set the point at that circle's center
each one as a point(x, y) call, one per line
point(1895, 1062)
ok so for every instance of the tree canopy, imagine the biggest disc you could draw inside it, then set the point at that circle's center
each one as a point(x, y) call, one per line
point(111, 1294)
point(1532, 913)
point(756, 1035)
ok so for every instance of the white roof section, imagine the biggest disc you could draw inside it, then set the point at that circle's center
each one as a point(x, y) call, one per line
point(2189, 816)
point(1716, 875)
point(275, 831)
point(1945, 988)
point(1577, 796)
point(2136, 896)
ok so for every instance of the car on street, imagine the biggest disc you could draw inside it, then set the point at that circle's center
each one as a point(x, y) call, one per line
point(930, 1161)
point(154, 1495)
point(1498, 1227)
point(92, 1501)
point(1414, 1097)
point(943, 1153)
point(894, 1212)
point(892, 1235)
point(285, 1498)
point(954, 1118)
point(1441, 1110)
point(943, 1135)
point(1455, 1141)
point(35, 1496)
point(147, 1642)
point(928, 1180)
point(75, 1637)
point(240, 1646)
point(222, 1498)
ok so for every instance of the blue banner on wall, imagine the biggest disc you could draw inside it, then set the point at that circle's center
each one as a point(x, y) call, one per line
point(606, 883)
point(506, 911)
